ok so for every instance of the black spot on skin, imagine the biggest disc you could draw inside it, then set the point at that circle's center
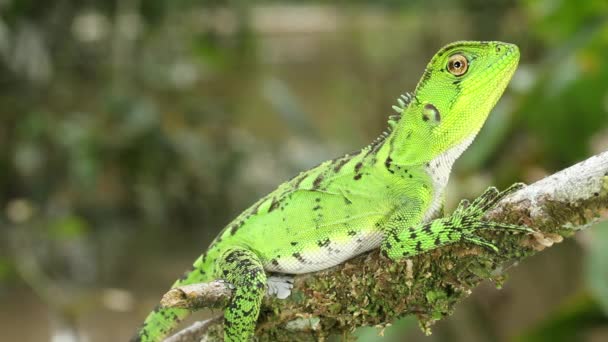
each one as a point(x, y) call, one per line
point(387, 164)
point(413, 236)
point(358, 167)
point(299, 257)
point(419, 246)
point(317, 182)
point(410, 175)
point(357, 176)
point(294, 243)
point(352, 233)
point(396, 237)
point(323, 243)
point(273, 205)
point(234, 228)
point(316, 208)
point(437, 241)
point(596, 194)
point(388, 245)
point(340, 163)
point(317, 200)
point(427, 229)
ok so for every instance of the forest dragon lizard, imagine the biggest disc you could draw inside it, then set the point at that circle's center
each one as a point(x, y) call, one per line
point(385, 195)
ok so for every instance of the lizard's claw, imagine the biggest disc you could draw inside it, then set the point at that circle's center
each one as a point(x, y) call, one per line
point(487, 200)
point(480, 242)
point(464, 203)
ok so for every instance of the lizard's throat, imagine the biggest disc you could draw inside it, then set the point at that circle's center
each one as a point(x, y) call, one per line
point(439, 169)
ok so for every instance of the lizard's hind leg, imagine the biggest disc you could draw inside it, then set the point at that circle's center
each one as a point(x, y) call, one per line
point(243, 269)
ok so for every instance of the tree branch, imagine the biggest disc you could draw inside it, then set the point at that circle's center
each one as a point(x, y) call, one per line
point(371, 290)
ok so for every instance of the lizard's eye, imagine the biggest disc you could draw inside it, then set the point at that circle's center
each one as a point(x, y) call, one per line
point(458, 64)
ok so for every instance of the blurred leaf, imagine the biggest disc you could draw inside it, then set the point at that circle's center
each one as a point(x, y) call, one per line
point(571, 321)
point(67, 228)
point(596, 268)
point(7, 269)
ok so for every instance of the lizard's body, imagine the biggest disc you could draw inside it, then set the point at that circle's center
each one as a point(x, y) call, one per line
point(384, 195)
point(284, 243)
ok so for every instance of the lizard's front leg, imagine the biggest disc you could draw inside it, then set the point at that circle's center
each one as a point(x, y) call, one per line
point(242, 268)
point(402, 240)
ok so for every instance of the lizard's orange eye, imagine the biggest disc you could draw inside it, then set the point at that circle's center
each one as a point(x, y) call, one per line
point(458, 65)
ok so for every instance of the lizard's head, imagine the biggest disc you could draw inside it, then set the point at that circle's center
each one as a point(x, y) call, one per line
point(460, 86)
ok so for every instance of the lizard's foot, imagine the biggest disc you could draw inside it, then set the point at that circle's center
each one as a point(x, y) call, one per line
point(469, 216)
point(462, 226)
point(280, 285)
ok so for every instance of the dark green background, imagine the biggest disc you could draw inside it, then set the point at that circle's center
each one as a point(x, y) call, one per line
point(132, 131)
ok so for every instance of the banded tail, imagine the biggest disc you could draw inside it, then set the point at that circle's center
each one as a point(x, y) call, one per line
point(162, 321)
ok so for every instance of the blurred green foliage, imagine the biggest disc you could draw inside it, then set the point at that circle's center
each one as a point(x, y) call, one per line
point(596, 273)
point(131, 131)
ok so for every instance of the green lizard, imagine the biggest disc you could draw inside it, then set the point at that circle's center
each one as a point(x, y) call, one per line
point(385, 195)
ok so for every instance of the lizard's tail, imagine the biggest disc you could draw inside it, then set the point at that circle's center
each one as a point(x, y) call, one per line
point(162, 321)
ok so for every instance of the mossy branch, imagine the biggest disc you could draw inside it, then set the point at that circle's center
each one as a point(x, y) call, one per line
point(371, 290)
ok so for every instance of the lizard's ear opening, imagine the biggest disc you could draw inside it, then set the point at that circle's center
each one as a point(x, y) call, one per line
point(430, 114)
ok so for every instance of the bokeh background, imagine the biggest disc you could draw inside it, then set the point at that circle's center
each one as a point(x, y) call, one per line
point(131, 131)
